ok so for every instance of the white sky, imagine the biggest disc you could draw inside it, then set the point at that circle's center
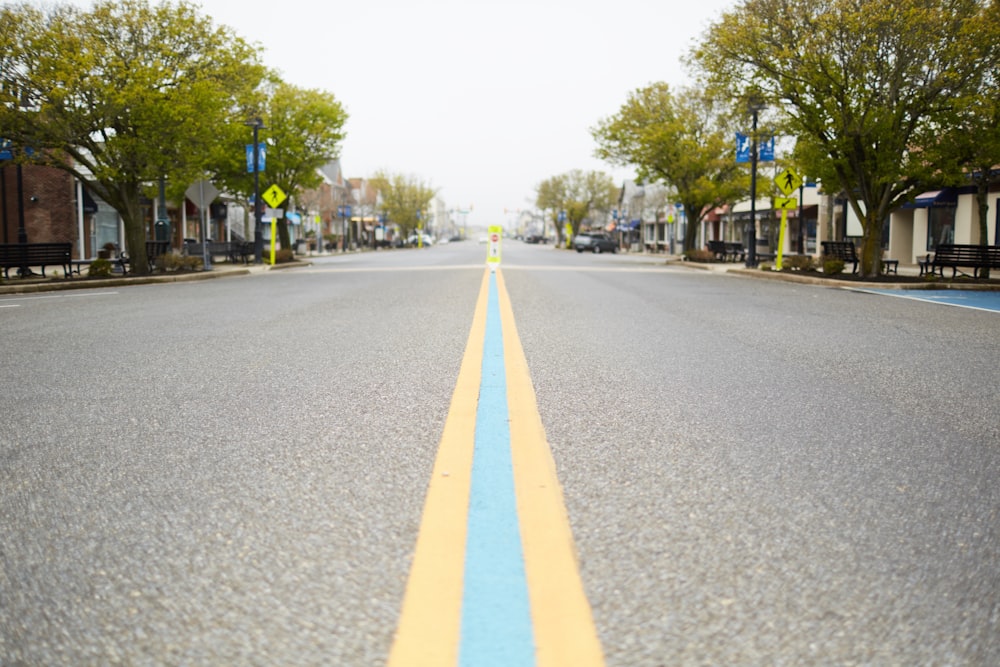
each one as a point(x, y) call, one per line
point(481, 99)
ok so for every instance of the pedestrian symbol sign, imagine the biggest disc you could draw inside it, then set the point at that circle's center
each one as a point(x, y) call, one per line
point(273, 196)
point(788, 181)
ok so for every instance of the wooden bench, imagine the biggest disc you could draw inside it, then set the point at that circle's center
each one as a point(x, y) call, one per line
point(23, 256)
point(956, 256)
point(842, 250)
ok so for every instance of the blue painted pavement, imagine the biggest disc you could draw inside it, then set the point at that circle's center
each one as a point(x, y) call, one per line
point(496, 618)
point(988, 301)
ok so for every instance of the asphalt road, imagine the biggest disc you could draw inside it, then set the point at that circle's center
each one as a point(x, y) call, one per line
point(232, 471)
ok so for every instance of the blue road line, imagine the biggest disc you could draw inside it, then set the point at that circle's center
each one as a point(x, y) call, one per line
point(496, 626)
point(977, 300)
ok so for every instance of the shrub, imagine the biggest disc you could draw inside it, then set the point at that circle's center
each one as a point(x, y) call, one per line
point(168, 262)
point(699, 255)
point(798, 263)
point(832, 266)
point(191, 263)
point(100, 268)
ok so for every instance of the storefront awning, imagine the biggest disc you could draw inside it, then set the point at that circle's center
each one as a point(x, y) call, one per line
point(945, 197)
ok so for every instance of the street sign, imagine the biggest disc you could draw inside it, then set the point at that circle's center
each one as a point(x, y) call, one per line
point(493, 250)
point(273, 196)
point(785, 203)
point(788, 181)
point(202, 193)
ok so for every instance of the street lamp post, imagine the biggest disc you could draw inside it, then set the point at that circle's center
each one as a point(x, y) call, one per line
point(258, 226)
point(755, 108)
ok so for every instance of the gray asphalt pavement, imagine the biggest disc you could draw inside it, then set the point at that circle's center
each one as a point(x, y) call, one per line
point(232, 471)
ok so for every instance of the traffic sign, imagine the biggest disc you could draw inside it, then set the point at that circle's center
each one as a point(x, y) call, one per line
point(493, 252)
point(785, 203)
point(273, 196)
point(788, 181)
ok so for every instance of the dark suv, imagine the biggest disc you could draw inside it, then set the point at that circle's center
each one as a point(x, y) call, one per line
point(595, 242)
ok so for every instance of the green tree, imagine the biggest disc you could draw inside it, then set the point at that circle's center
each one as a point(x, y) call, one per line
point(679, 138)
point(304, 130)
point(870, 83)
point(122, 95)
point(404, 199)
point(578, 194)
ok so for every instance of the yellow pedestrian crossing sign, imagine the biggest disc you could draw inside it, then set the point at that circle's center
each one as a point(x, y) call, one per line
point(273, 196)
point(788, 181)
point(785, 203)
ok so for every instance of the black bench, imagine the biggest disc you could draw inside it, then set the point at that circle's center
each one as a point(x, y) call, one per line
point(241, 251)
point(23, 256)
point(233, 252)
point(727, 251)
point(956, 256)
point(842, 250)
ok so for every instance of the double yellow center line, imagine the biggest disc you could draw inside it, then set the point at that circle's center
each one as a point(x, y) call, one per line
point(560, 628)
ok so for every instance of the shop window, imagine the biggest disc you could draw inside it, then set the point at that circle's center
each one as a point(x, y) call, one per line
point(940, 226)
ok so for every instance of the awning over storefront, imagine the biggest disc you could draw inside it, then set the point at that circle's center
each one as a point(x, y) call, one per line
point(945, 197)
point(89, 205)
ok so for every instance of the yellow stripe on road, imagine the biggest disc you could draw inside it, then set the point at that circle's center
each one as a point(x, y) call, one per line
point(429, 630)
point(565, 634)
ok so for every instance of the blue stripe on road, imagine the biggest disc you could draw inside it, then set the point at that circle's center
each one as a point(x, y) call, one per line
point(977, 300)
point(496, 617)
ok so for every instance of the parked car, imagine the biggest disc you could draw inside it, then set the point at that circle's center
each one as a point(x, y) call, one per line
point(595, 242)
point(415, 240)
point(535, 238)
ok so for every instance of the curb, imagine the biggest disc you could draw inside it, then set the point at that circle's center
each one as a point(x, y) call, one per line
point(60, 284)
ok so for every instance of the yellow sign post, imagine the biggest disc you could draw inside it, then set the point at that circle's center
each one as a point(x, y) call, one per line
point(788, 182)
point(273, 196)
point(495, 234)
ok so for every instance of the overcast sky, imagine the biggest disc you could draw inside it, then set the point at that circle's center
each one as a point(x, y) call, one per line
point(480, 99)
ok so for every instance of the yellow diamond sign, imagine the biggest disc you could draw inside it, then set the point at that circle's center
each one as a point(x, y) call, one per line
point(273, 196)
point(788, 181)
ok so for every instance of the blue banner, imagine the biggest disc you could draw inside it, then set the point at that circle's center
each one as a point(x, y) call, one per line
point(767, 150)
point(742, 148)
point(261, 157)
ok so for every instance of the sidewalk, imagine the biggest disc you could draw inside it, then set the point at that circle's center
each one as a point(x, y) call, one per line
point(37, 283)
point(909, 272)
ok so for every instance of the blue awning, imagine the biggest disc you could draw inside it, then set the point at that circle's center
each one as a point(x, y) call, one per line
point(945, 197)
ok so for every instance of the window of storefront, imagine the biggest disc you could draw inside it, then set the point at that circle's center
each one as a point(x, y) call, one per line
point(940, 226)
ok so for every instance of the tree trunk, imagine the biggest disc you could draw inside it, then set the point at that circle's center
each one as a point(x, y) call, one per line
point(871, 246)
point(284, 238)
point(135, 234)
point(982, 199)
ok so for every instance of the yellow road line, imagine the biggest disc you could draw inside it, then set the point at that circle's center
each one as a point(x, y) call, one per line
point(430, 620)
point(565, 634)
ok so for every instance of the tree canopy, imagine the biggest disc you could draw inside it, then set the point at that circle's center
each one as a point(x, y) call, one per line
point(679, 138)
point(404, 199)
point(303, 128)
point(122, 94)
point(578, 194)
point(870, 85)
